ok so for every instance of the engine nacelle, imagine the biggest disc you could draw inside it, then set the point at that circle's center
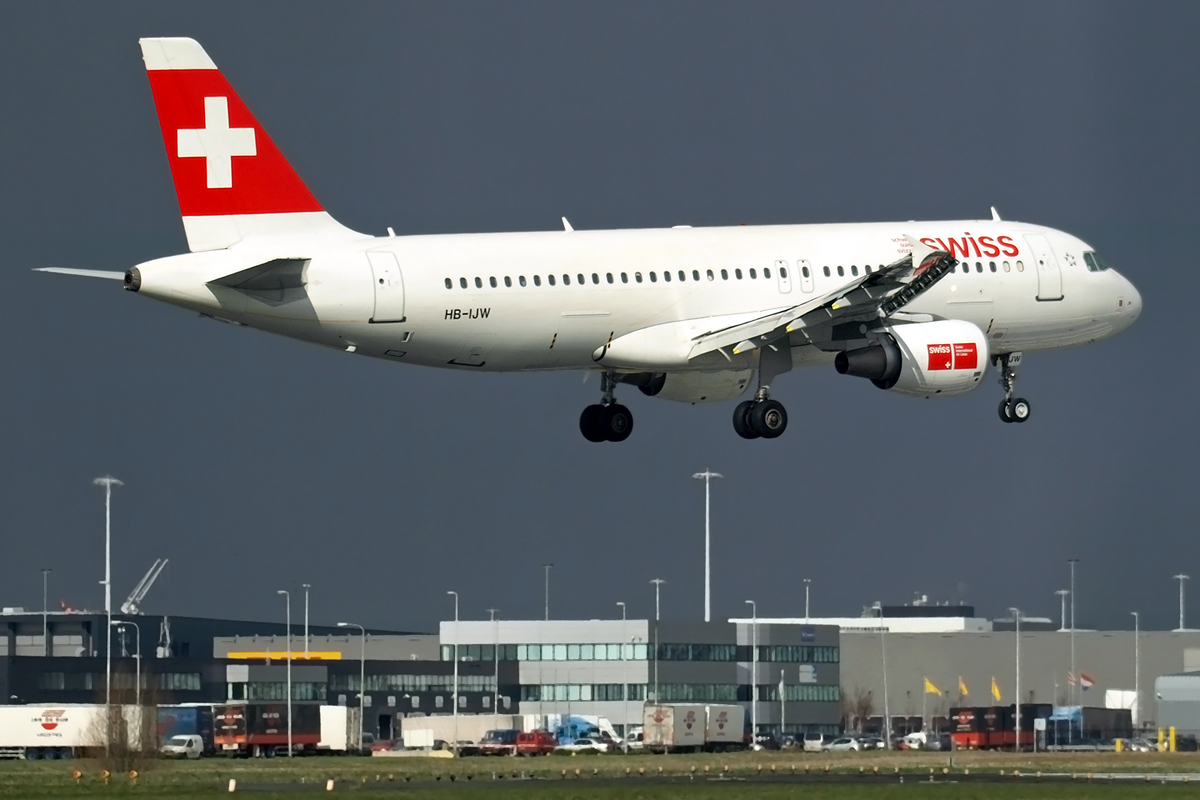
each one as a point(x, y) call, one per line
point(924, 358)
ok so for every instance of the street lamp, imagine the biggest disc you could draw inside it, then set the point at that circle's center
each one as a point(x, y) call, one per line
point(1016, 612)
point(1062, 596)
point(547, 567)
point(108, 481)
point(137, 659)
point(362, 678)
point(1137, 670)
point(1181, 578)
point(287, 596)
point(658, 582)
point(753, 670)
point(707, 477)
point(807, 584)
point(46, 649)
point(456, 671)
point(1073, 685)
point(306, 586)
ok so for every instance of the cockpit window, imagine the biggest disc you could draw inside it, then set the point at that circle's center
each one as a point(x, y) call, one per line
point(1095, 263)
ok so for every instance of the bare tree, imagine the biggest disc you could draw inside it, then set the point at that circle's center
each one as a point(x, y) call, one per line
point(124, 734)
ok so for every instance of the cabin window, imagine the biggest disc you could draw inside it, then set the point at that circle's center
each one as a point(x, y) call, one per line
point(766, 272)
point(580, 277)
point(492, 281)
point(841, 271)
point(966, 267)
point(979, 266)
point(596, 278)
point(724, 274)
point(550, 279)
point(609, 277)
point(537, 280)
point(783, 272)
point(803, 270)
point(682, 275)
point(1020, 266)
point(667, 275)
point(462, 282)
point(826, 270)
point(478, 283)
point(992, 266)
point(624, 277)
point(637, 276)
point(521, 280)
point(449, 283)
point(753, 274)
point(695, 274)
point(566, 280)
point(854, 270)
point(737, 273)
point(1007, 267)
point(508, 281)
point(710, 274)
point(654, 277)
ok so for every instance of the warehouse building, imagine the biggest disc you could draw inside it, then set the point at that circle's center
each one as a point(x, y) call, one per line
point(610, 668)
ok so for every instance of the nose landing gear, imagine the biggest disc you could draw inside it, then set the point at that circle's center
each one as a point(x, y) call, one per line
point(609, 421)
point(1012, 409)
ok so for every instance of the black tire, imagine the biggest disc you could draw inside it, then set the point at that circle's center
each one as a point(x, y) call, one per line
point(1004, 415)
point(741, 420)
point(590, 424)
point(617, 422)
point(769, 419)
point(1020, 410)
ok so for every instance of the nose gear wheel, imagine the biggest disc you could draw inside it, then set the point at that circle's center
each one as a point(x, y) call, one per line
point(1012, 409)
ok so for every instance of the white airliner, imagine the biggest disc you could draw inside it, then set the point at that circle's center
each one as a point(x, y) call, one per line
point(686, 314)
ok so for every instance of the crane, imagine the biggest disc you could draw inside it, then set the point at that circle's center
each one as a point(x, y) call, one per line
point(130, 606)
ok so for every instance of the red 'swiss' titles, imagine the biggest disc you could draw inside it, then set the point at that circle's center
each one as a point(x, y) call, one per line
point(975, 247)
point(963, 355)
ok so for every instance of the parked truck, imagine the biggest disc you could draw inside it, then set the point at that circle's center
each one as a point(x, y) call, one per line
point(191, 722)
point(261, 729)
point(679, 728)
point(61, 731)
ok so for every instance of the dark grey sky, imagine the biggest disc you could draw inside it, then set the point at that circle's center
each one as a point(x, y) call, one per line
point(256, 463)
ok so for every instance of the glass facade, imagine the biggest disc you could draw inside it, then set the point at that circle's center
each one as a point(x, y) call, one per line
point(780, 654)
point(581, 692)
point(413, 683)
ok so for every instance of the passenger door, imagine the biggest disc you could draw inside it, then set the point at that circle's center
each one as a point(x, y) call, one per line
point(389, 287)
point(1048, 272)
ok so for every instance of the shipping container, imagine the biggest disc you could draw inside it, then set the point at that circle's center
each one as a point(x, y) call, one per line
point(673, 727)
point(261, 729)
point(63, 731)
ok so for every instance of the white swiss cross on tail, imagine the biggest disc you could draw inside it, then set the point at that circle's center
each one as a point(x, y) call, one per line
point(217, 142)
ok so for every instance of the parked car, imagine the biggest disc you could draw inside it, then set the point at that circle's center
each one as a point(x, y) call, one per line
point(765, 741)
point(502, 742)
point(535, 743)
point(873, 743)
point(584, 745)
point(815, 742)
point(187, 746)
point(379, 745)
point(844, 744)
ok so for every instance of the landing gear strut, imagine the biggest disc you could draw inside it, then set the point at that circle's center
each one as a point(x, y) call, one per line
point(609, 421)
point(1012, 409)
point(762, 416)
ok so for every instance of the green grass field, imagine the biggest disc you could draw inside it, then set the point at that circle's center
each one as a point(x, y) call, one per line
point(699, 777)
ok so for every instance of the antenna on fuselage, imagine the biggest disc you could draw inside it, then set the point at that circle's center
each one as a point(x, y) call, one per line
point(567, 226)
point(995, 215)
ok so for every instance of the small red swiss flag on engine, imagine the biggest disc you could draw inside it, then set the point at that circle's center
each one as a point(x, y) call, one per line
point(960, 355)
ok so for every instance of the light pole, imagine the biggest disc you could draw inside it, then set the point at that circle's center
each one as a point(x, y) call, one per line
point(362, 678)
point(306, 586)
point(1016, 612)
point(707, 477)
point(625, 716)
point(547, 567)
point(807, 585)
point(1137, 670)
point(887, 714)
point(287, 596)
point(456, 671)
point(495, 665)
point(1181, 578)
point(137, 659)
point(1073, 684)
point(108, 481)
point(46, 649)
point(1062, 596)
point(753, 670)
point(658, 582)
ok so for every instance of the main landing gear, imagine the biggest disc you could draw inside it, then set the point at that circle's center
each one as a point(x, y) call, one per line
point(763, 417)
point(1012, 409)
point(609, 421)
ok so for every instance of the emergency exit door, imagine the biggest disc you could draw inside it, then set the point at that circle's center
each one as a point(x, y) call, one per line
point(389, 287)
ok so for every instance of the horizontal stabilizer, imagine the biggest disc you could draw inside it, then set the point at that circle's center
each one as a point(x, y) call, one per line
point(84, 273)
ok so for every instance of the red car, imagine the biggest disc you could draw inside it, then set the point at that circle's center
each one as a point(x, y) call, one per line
point(499, 742)
point(536, 743)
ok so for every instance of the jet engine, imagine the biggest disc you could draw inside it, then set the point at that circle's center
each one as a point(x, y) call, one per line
point(924, 358)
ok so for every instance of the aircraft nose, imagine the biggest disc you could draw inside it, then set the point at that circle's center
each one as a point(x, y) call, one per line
point(1133, 301)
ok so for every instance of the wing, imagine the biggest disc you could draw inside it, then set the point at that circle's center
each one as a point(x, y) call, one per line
point(869, 297)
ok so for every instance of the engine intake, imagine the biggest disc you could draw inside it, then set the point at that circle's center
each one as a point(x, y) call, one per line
point(880, 363)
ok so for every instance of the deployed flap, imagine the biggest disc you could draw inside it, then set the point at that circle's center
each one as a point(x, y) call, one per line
point(871, 296)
